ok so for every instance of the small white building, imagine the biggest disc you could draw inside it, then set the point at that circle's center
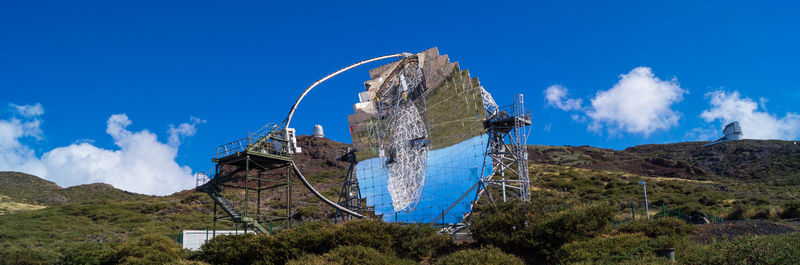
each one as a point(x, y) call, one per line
point(732, 131)
point(318, 133)
point(193, 239)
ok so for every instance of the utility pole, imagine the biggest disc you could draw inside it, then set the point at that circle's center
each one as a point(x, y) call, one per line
point(646, 208)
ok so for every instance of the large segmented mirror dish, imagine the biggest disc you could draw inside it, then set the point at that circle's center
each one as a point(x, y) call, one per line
point(419, 139)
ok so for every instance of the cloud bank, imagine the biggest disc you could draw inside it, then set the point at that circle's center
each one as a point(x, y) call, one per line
point(639, 103)
point(752, 116)
point(140, 163)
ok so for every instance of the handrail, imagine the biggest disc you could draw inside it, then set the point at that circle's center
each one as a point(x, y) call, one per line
point(258, 141)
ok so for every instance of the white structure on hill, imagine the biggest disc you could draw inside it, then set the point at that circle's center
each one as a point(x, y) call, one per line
point(732, 132)
point(318, 131)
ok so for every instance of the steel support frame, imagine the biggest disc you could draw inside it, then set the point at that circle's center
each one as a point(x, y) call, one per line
point(350, 195)
point(262, 185)
point(507, 152)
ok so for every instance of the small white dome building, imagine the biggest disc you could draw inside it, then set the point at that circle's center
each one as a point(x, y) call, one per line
point(318, 133)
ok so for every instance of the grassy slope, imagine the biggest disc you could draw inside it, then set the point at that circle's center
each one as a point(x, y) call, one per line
point(100, 213)
point(60, 226)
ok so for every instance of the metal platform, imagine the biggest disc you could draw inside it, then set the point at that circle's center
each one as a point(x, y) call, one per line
point(241, 168)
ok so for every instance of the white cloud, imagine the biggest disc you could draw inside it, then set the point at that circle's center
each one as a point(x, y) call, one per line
point(28, 110)
point(638, 103)
point(140, 163)
point(756, 123)
point(176, 133)
point(556, 97)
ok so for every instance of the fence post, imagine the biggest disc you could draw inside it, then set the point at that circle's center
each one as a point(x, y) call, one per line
point(633, 211)
point(664, 210)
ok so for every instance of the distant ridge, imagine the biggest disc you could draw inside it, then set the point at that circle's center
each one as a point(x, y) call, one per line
point(743, 159)
point(30, 189)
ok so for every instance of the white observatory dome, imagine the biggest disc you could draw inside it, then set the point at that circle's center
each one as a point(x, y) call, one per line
point(318, 131)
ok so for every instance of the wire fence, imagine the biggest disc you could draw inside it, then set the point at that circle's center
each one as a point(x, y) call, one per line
point(632, 212)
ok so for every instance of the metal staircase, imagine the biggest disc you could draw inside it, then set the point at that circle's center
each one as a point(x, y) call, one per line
point(228, 208)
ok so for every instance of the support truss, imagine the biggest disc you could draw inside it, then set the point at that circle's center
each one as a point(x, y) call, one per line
point(508, 131)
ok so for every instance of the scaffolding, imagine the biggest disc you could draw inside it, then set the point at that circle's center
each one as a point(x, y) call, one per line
point(508, 130)
point(248, 169)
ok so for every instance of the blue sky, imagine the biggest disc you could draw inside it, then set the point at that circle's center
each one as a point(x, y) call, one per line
point(223, 69)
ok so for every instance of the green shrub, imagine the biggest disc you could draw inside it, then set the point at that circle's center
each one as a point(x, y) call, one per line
point(308, 238)
point(408, 241)
point(90, 253)
point(606, 250)
point(355, 255)
point(482, 256)
point(27, 256)
point(150, 249)
point(791, 210)
point(769, 213)
point(510, 227)
point(739, 212)
point(781, 249)
point(578, 223)
point(244, 249)
point(310, 211)
point(318, 238)
point(659, 227)
point(418, 241)
point(530, 232)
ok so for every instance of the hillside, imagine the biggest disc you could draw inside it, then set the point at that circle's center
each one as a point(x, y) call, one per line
point(745, 160)
point(753, 176)
point(20, 191)
point(756, 160)
point(745, 179)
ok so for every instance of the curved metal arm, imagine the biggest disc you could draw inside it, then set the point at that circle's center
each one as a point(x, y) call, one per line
point(316, 193)
point(294, 107)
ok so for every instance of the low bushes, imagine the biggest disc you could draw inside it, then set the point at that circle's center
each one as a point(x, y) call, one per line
point(791, 210)
point(659, 227)
point(606, 250)
point(242, 249)
point(27, 256)
point(482, 256)
point(148, 249)
point(347, 255)
point(781, 249)
point(90, 253)
point(316, 238)
point(529, 232)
